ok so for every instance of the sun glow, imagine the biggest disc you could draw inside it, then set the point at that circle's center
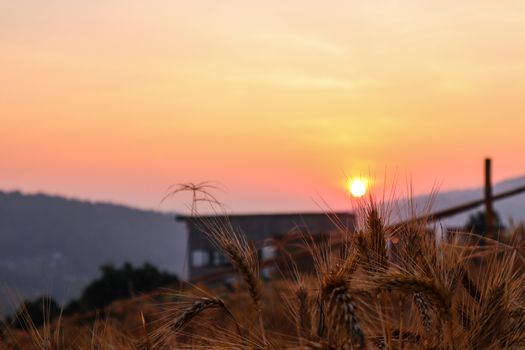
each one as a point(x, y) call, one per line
point(357, 187)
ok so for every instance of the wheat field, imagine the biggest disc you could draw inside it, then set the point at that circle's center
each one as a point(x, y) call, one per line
point(382, 287)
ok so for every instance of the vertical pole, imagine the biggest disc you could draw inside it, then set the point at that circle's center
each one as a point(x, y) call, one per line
point(489, 211)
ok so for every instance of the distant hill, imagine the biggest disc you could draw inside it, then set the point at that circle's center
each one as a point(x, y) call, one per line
point(52, 244)
point(512, 207)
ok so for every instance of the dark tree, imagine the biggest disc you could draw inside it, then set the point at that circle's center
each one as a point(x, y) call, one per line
point(36, 312)
point(476, 223)
point(120, 283)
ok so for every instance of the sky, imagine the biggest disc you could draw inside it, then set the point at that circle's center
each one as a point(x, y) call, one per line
point(276, 101)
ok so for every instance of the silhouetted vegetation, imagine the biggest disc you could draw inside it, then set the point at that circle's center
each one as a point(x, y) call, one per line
point(34, 313)
point(476, 223)
point(120, 283)
point(115, 283)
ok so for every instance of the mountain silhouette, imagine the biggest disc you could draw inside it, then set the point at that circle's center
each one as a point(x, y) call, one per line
point(54, 245)
point(509, 208)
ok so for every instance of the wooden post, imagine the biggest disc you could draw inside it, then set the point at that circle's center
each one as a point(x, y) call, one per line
point(489, 210)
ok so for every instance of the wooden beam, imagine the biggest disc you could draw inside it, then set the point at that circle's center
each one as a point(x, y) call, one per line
point(489, 210)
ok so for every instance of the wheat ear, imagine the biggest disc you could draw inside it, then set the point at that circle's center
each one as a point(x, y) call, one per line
point(341, 307)
point(437, 294)
point(196, 308)
point(303, 314)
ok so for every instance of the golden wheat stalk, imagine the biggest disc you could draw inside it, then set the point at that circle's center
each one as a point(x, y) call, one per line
point(486, 328)
point(342, 311)
point(244, 258)
point(195, 309)
point(303, 314)
point(424, 310)
point(430, 287)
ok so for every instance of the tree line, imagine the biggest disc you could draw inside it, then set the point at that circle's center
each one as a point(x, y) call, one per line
point(114, 284)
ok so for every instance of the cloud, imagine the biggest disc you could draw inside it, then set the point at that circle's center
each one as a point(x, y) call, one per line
point(304, 42)
point(317, 44)
point(298, 81)
point(305, 81)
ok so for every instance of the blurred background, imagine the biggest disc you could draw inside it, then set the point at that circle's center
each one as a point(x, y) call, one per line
point(105, 104)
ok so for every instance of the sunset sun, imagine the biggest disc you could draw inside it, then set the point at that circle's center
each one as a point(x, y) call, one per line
point(357, 187)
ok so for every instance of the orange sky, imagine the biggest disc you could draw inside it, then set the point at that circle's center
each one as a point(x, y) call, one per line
point(276, 100)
